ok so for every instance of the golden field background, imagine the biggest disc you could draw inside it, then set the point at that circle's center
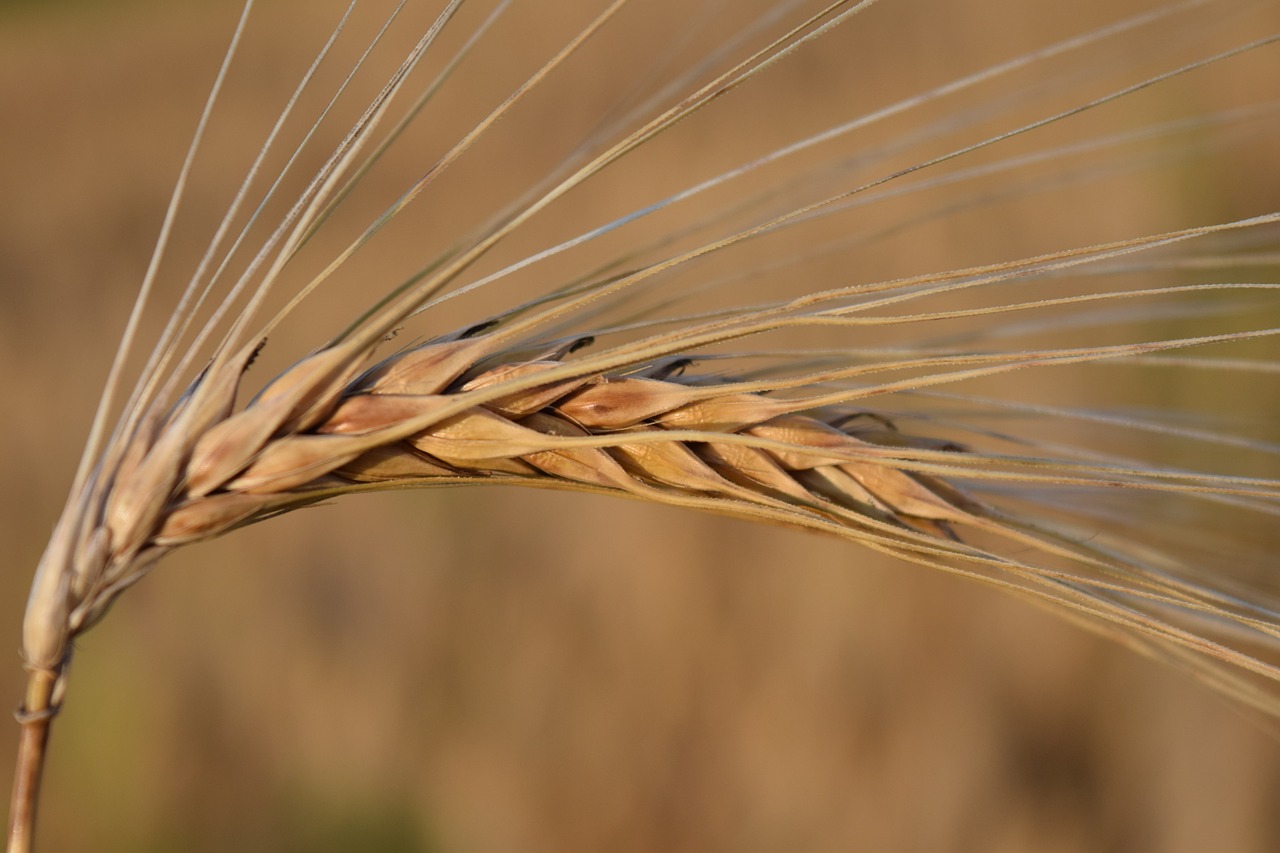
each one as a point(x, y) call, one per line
point(500, 670)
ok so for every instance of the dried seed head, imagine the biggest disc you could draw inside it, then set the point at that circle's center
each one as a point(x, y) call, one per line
point(517, 397)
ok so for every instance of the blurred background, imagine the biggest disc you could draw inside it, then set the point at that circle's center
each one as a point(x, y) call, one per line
point(490, 669)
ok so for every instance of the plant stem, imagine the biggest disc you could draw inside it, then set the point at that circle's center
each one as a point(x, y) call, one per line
point(34, 718)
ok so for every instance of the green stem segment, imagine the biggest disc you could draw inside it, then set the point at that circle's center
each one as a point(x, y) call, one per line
point(34, 718)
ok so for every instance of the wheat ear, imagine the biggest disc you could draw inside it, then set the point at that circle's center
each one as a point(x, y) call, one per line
point(555, 393)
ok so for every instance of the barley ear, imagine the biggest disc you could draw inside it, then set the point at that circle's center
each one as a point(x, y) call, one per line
point(855, 404)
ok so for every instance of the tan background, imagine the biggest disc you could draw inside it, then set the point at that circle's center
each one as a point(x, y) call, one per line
point(487, 670)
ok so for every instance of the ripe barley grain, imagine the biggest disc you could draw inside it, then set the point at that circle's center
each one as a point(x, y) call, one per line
point(871, 334)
